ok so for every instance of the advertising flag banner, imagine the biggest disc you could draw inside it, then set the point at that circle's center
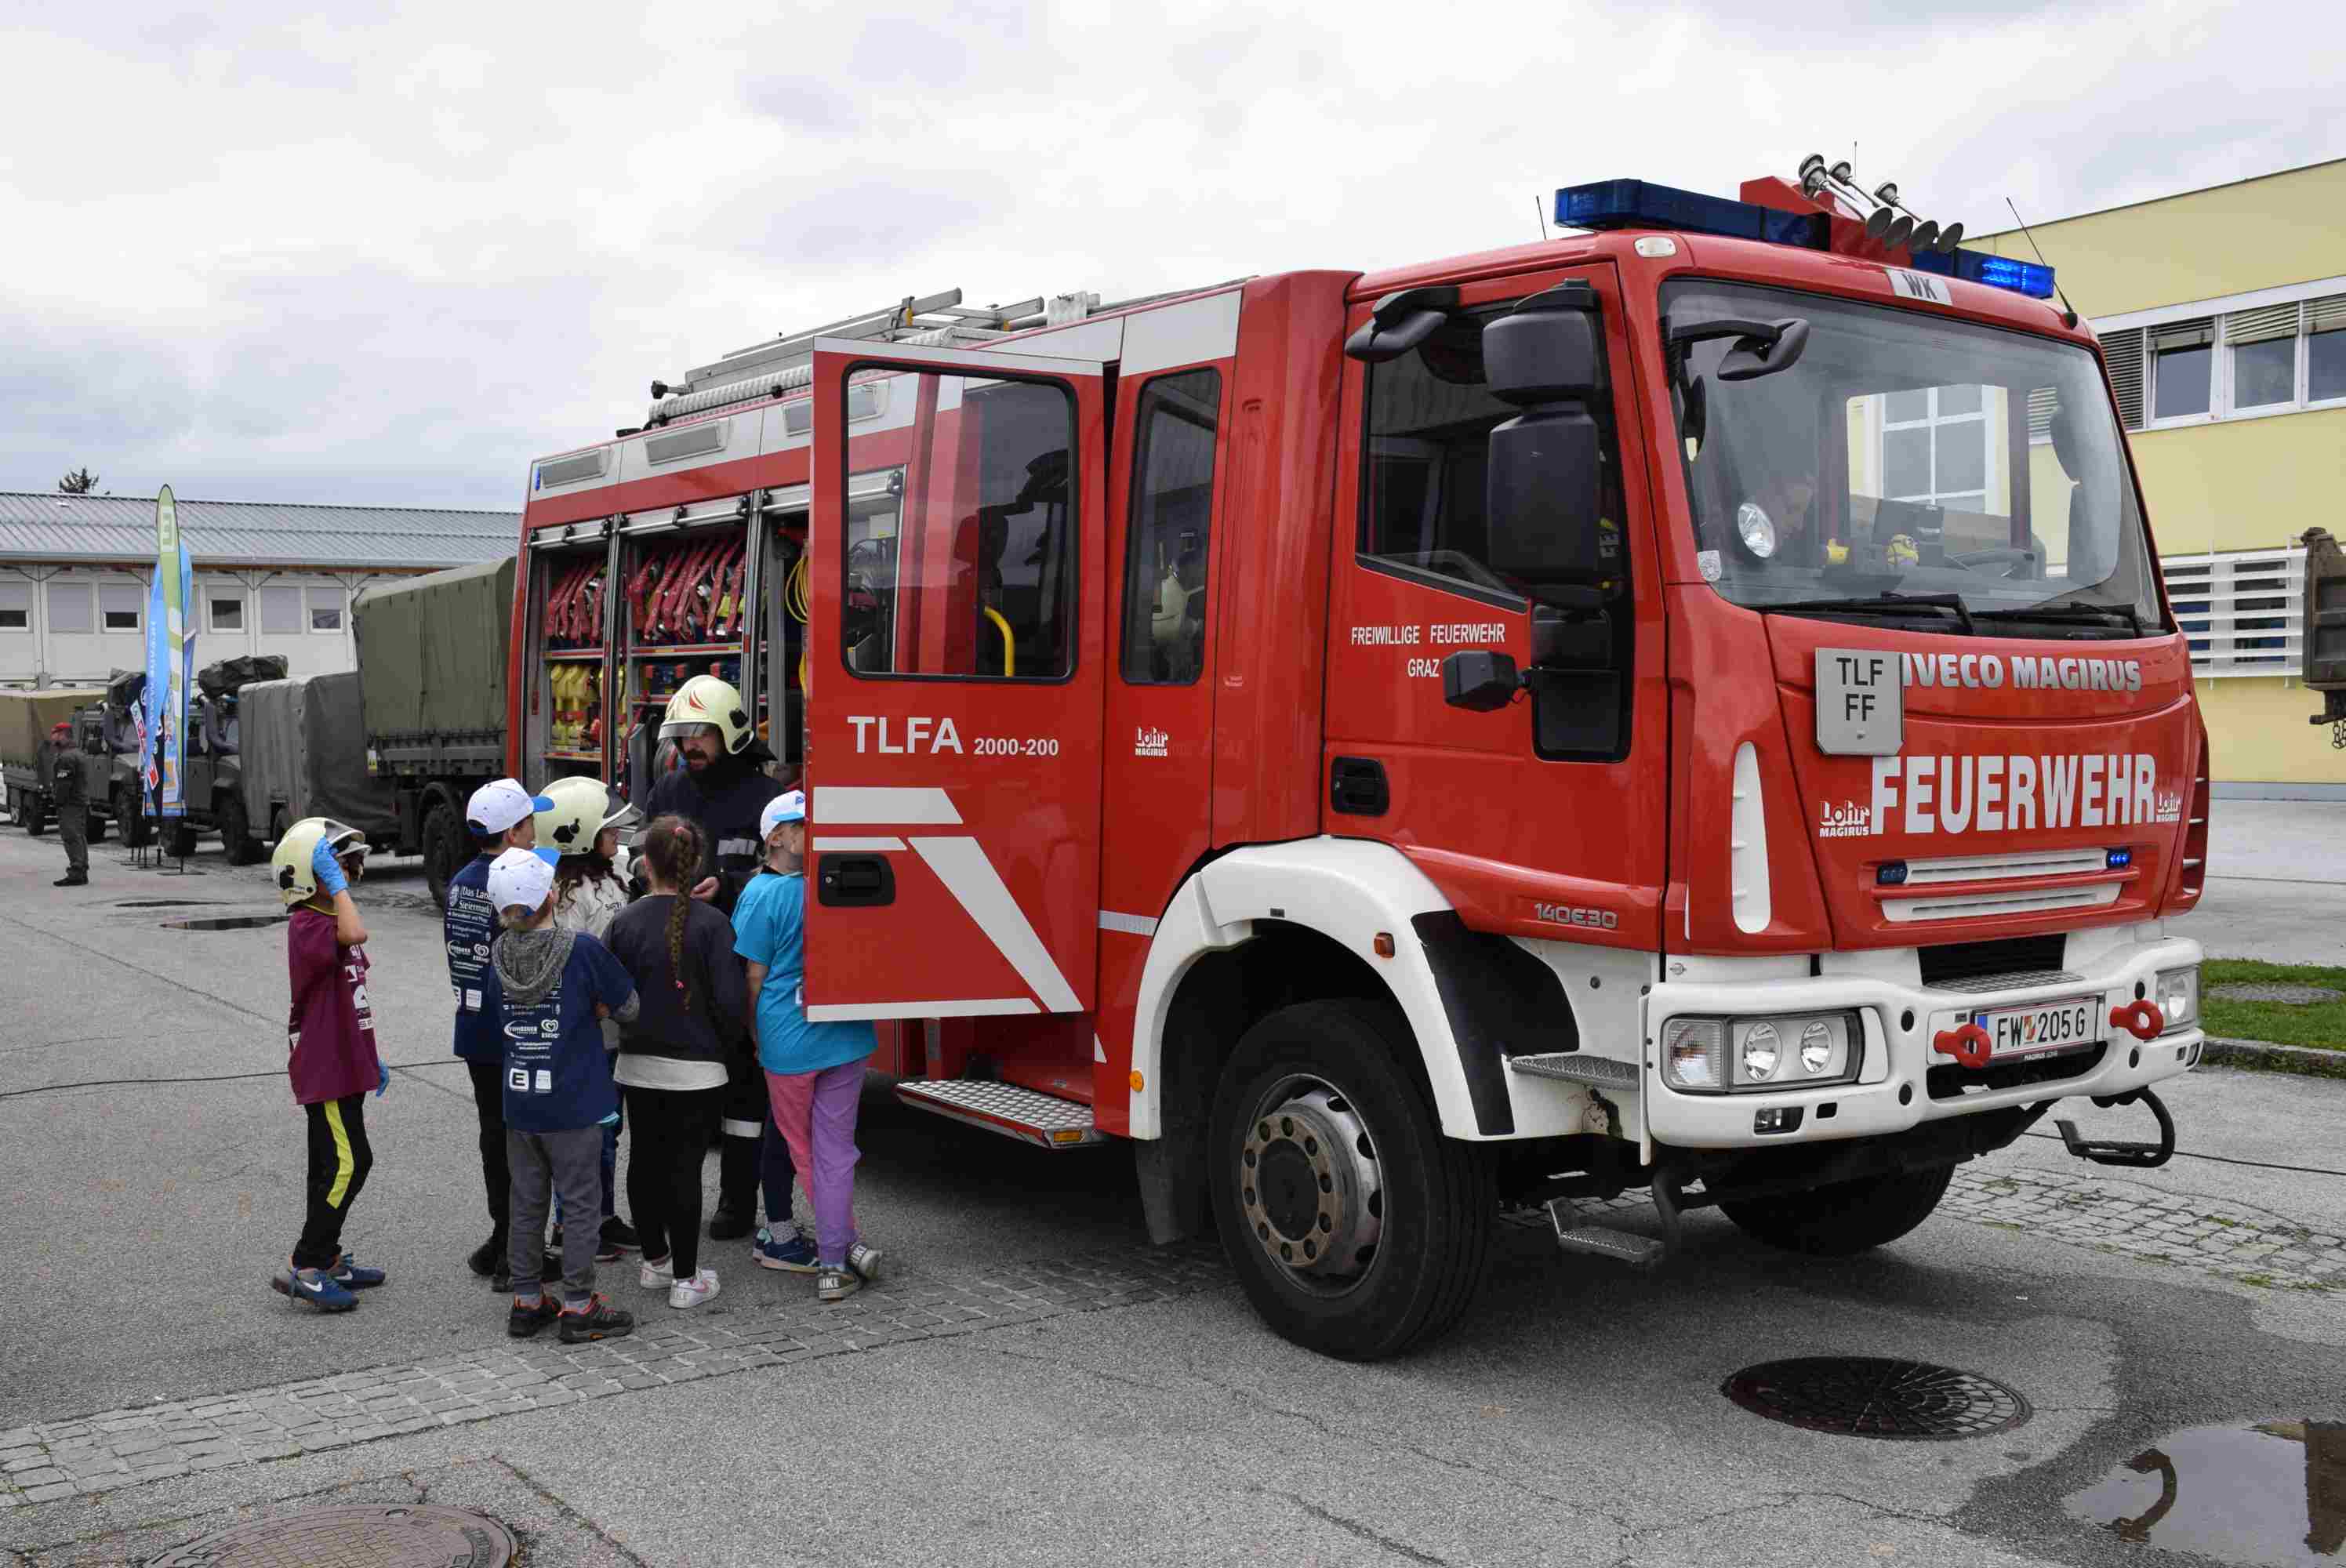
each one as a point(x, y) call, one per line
point(170, 655)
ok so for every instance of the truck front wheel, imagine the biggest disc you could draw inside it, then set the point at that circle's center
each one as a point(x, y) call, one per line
point(445, 849)
point(29, 813)
point(235, 834)
point(136, 831)
point(1356, 1228)
point(1847, 1217)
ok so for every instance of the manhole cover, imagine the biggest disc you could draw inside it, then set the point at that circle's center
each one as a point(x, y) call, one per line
point(418, 1537)
point(2274, 990)
point(225, 922)
point(1863, 1396)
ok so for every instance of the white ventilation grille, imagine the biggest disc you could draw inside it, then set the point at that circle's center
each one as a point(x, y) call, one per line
point(2005, 868)
point(571, 470)
point(2243, 611)
point(689, 443)
point(1747, 846)
point(1977, 906)
point(2041, 403)
point(2124, 351)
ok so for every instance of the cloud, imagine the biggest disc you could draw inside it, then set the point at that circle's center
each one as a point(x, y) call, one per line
point(393, 254)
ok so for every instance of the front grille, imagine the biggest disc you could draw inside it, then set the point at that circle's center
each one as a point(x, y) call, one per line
point(1952, 962)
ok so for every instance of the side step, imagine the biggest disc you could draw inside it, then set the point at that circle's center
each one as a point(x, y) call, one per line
point(1597, 1072)
point(1574, 1234)
point(1028, 1114)
point(2140, 1156)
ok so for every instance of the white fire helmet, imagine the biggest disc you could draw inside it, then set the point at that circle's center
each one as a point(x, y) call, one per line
point(297, 880)
point(705, 701)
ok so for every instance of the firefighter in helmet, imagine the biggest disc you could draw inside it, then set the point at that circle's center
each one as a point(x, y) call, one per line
point(720, 782)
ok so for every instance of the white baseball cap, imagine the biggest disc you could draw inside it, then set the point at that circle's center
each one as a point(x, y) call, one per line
point(523, 878)
point(499, 804)
point(788, 807)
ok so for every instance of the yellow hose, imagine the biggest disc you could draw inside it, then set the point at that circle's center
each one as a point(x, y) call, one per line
point(794, 590)
point(1009, 643)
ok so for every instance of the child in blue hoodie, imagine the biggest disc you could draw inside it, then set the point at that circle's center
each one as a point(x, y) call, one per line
point(551, 988)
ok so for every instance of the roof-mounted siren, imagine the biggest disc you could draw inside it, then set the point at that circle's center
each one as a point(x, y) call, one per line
point(1887, 219)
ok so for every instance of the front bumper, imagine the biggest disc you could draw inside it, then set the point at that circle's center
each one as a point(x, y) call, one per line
point(1893, 1091)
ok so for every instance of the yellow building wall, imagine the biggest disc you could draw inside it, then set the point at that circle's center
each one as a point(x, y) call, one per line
point(2258, 733)
point(2244, 484)
point(2202, 245)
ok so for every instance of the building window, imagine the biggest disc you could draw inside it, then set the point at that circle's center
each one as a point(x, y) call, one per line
point(69, 607)
point(15, 608)
point(2182, 371)
point(325, 609)
point(119, 606)
point(1934, 447)
point(280, 612)
point(226, 609)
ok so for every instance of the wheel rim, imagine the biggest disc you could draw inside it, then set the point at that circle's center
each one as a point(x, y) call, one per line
point(1309, 1185)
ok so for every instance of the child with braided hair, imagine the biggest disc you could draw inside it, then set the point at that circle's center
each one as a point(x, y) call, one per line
point(674, 1054)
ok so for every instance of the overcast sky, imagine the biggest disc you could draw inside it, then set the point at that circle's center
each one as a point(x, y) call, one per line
point(389, 254)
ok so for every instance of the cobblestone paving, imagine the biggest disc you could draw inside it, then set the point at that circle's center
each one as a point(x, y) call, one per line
point(54, 1460)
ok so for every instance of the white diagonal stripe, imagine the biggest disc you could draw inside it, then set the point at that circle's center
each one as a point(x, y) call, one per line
point(849, 846)
point(961, 864)
point(842, 806)
point(968, 1007)
point(1131, 924)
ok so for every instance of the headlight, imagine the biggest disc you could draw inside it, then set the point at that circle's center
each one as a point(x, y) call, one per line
point(1759, 533)
point(1725, 1055)
point(2178, 995)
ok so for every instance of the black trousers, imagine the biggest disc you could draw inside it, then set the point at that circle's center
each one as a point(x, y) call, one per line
point(669, 1130)
point(73, 832)
point(497, 1174)
point(340, 1158)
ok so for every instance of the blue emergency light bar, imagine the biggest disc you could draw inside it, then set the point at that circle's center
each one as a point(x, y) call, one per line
point(1641, 204)
point(1996, 272)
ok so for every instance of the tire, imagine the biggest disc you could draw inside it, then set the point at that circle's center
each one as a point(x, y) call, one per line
point(1306, 1088)
point(29, 813)
point(1845, 1218)
point(235, 834)
point(180, 841)
point(138, 832)
point(93, 825)
point(445, 849)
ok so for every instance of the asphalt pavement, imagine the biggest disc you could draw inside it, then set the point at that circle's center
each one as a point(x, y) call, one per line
point(1033, 1382)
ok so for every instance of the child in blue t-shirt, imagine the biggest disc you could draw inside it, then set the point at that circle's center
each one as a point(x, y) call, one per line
point(550, 989)
point(814, 1071)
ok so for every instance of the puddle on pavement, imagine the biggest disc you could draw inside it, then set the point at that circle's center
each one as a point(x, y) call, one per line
point(225, 922)
point(2270, 1493)
point(163, 903)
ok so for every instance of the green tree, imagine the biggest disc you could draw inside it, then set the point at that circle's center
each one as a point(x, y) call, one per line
point(78, 482)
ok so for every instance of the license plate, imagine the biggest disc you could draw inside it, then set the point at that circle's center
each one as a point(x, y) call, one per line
point(2042, 1029)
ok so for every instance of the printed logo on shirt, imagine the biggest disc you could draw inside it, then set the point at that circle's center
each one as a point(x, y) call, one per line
point(517, 1080)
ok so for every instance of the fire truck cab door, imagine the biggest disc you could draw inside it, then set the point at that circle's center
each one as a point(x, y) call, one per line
point(955, 666)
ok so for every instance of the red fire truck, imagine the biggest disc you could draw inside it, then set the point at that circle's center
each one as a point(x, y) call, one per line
point(1687, 705)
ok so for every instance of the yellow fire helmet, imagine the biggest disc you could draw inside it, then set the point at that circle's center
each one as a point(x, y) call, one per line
point(707, 700)
point(582, 809)
point(297, 881)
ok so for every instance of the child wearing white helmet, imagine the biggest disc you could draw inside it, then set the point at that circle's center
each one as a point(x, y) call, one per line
point(814, 1071)
point(549, 988)
point(331, 1057)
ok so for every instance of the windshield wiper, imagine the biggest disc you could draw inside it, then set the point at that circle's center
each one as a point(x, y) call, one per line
point(1887, 600)
point(2122, 614)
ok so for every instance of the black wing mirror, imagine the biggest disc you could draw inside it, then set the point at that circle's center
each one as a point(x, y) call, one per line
point(1401, 321)
point(1760, 348)
point(1482, 680)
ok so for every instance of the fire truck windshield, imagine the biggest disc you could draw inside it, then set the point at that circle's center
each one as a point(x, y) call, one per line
point(1908, 456)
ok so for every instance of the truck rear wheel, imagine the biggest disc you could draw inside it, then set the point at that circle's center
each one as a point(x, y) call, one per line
point(136, 831)
point(235, 834)
point(1356, 1228)
point(28, 812)
point(1847, 1217)
point(445, 849)
point(180, 843)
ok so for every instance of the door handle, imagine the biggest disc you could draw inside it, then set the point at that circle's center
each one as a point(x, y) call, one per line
point(856, 881)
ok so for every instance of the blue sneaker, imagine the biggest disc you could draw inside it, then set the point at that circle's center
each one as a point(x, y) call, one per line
point(351, 1276)
point(315, 1286)
point(792, 1250)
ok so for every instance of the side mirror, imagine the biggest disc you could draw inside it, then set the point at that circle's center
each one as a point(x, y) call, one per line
point(1764, 355)
point(1401, 321)
point(1481, 680)
point(1543, 489)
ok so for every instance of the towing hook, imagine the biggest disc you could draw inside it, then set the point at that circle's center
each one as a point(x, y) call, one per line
point(2139, 1018)
point(1968, 1045)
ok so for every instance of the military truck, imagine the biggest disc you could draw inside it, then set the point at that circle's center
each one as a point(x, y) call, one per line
point(26, 718)
point(432, 682)
point(211, 782)
point(305, 754)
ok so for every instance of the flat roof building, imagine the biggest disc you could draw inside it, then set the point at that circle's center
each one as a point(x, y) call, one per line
point(269, 577)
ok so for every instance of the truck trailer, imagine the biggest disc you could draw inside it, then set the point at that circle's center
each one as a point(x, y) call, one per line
point(1686, 706)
